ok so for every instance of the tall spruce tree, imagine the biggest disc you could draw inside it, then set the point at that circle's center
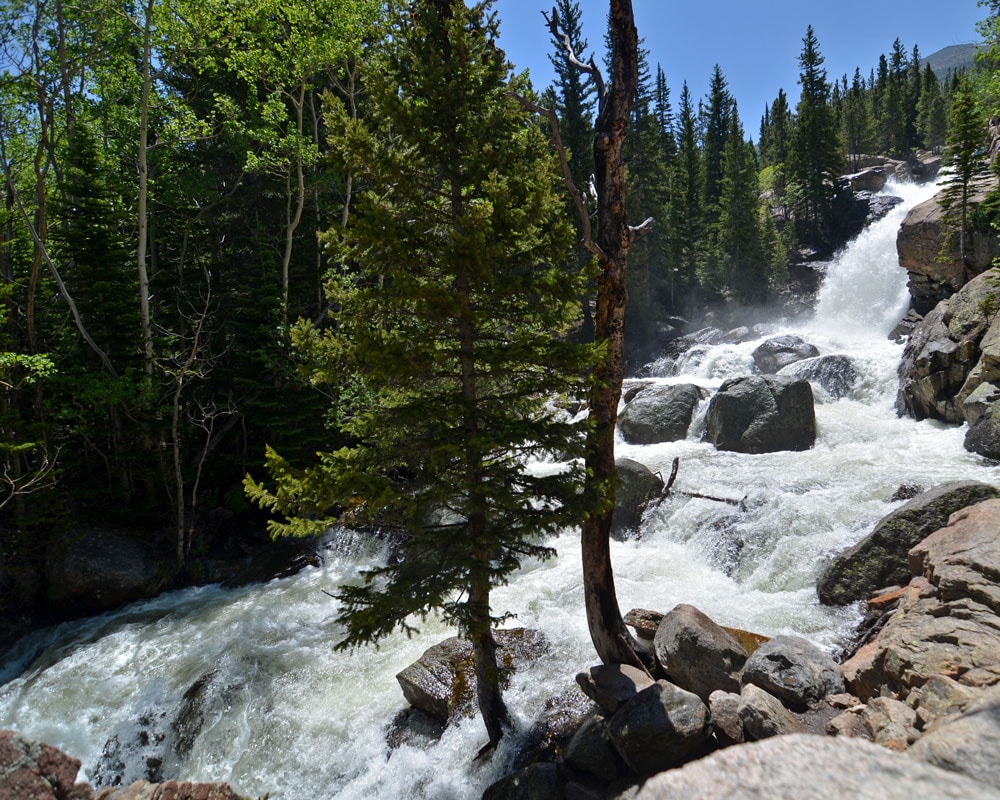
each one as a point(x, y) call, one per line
point(686, 216)
point(816, 156)
point(451, 309)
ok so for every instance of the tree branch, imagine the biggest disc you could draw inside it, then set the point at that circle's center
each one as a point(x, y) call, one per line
point(640, 230)
point(574, 191)
point(589, 68)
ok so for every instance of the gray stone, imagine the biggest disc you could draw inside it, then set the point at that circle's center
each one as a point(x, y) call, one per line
point(611, 685)
point(978, 404)
point(762, 715)
point(697, 654)
point(637, 486)
point(659, 414)
point(804, 767)
point(762, 414)
point(590, 751)
point(780, 351)
point(793, 670)
point(983, 436)
point(968, 744)
point(724, 708)
point(659, 728)
point(880, 559)
point(835, 375)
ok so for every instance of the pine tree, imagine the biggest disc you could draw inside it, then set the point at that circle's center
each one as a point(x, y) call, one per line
point(932, 119)
point(686, 216)
point(816, 157)
point(966, 134)
point(718, 115)
point(450, 312)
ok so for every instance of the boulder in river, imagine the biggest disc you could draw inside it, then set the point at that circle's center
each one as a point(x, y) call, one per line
point(659, 414)
point(834, 374)
point(637, 486)
point(762, 414)
point(880, 559)
point(780, 351)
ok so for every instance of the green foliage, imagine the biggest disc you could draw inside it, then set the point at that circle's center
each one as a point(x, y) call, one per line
point(450, 309)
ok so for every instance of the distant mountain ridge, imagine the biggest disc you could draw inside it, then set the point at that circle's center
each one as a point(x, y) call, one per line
point(951, 59)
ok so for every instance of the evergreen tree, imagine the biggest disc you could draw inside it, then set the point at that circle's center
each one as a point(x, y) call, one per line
point(964, 156)
point(450, 309)
point(931, 115)
point(739, 239)
point(816, 157)
point(686, 217)
point(718, 116)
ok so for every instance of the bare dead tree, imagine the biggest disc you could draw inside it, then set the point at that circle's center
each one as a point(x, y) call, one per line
point(612, 639)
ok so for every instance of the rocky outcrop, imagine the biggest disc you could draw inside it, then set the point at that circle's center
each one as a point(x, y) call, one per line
point(881, 558)
point(921, 243)
point(32, 770)
point(780, 351)
point(951, 365)
point(637, 486)
point(800, 766)
point(659, 414)
point(945, 631)
point(762, 414)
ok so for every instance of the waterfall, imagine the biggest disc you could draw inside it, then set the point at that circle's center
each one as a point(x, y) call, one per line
point(244, 685)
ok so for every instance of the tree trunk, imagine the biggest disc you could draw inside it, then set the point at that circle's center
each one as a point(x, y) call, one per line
point(611, 638)
point(143, 198)
point(494, 711)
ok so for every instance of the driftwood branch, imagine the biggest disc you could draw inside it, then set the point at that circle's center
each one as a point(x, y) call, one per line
point(640, 230)
point(668, 487)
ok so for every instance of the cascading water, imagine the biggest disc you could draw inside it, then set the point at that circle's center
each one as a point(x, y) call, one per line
point(244, 685)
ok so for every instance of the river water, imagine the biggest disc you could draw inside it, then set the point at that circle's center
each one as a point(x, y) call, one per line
point(273, 708)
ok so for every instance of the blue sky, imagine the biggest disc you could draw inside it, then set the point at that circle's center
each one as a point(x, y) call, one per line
point(756, 44)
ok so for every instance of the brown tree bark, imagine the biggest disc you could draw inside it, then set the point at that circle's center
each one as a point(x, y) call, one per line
point(612, 640)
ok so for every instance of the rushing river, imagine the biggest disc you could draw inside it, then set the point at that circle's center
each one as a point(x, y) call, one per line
point(271, 707)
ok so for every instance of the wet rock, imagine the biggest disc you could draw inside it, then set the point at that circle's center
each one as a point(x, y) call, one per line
point(880, 559)
point(697, 654)
point(763, 715)
point(32, 769)
point(762, 414)
point(659, 414)
point(780, 351)
point(561, 718)
point(413, 727)
point(97, 570)
point(442, 682)
point(793, 670)
point(983, 437)
point(534, 782)
point(638, 485)
point(835, 375)
point(967, 744)
point(978, 405)
point(612, 685)
point(803, 766)
point(659, 728)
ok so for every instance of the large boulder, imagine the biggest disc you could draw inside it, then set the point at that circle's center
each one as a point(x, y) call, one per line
point(835, 374)
point(442, 682)
point(659, 414)
point(659, 728)
point(612, 685)
point(804, 767)
point(780, 351)
point(794, 670)
point(697, 654)
point(880, 559)
point(924, 237)
point(637, 485)
point(983, 436)
point(762, 414)
point(96, 570)
point(762, 715)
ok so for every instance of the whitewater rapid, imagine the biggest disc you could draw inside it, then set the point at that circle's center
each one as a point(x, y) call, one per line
point(280, 711)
